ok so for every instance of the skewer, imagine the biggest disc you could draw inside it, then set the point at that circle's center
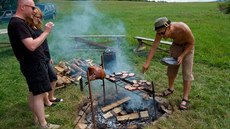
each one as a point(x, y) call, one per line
point(154, 101)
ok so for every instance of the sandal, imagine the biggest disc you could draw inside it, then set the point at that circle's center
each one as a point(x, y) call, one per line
point(184, 106)
point(57, 100)
point(52, 105)
point(165, 93)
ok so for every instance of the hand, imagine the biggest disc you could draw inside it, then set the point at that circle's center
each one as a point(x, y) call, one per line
point(179, 60)
point(145, 68)
point(51, 61)
point(49, 26)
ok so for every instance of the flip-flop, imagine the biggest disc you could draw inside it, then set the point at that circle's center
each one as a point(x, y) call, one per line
point(184, 106)
point(165, 93)
point(52, 105)
point(57, 100)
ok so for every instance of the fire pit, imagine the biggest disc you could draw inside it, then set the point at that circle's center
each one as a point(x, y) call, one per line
point(125, 100)
point(122, 108)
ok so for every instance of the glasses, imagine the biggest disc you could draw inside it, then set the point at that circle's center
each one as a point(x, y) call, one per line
point(39, 17)
point(162, 33)
point(33, 8)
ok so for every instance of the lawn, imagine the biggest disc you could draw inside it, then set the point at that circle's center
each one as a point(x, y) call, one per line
point(209, 107)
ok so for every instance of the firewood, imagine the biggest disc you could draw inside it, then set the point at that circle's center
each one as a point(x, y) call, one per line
point(59, 69)
point(82, 126)
point(117, 110)
point(66, 80)
point(108, 115)
point(111, 113)
point(132, 116)
point(76, 61)
point(144, 114)
point(111, 106)
point(59, 87)
point(76, 68)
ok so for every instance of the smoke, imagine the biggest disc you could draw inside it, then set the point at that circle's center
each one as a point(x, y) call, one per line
point(84, 20)
point(89, 21)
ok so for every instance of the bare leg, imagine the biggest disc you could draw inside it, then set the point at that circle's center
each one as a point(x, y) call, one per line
point(30, 99)
point(46, 100)
point(172, 73)
point(51, 93)
point(171, 82)
point(186, 90)
point(38, 108)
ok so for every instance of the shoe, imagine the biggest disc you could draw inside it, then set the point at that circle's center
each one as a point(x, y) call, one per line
point(52, 105)
point(51, 126)
point(165, 93)
point(47, 115)
point(184, 106)
point(57, 100)
point(36, 122)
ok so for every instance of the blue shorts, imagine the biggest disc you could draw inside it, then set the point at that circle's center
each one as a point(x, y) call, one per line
point(37, 78)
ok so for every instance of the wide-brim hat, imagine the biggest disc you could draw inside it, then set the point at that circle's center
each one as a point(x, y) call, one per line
point(161, 23)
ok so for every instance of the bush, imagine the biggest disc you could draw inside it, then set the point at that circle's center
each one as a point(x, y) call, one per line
point(225, 7)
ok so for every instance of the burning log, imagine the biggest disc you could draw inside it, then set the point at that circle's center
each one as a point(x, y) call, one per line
point(144, 114)
point(112, 113)
point(113, 105)
point(133, 116)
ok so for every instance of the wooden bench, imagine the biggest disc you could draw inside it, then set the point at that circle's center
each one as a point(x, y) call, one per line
point(142, 42)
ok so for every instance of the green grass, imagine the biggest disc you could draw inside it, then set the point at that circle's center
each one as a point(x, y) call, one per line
point(209, 108)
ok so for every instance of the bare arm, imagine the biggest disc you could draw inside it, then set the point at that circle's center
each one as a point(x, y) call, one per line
point(152, 52)
point(33, 44)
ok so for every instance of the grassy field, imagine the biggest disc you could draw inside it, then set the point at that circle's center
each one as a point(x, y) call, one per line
point(209, 108)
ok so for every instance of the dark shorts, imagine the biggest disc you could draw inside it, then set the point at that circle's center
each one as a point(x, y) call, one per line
point(51, 72)
point(37, 78)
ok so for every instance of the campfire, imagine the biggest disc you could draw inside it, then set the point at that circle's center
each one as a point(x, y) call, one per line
point(129, 103)
point(123, 107)
point(126, 101)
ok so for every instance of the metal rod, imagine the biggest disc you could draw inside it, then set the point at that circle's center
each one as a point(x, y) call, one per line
point(116, 87)
point(103, 80)
point(103, 84)
point(81, 84)
point(102, 61)
point(154, 101)
point(91, 100)
point(97, 36)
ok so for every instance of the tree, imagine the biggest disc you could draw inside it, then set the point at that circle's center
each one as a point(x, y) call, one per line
point(225, 7)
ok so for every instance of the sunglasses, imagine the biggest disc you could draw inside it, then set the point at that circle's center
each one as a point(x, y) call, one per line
point(162, 33)
point(39, 17)
point(33, 8)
